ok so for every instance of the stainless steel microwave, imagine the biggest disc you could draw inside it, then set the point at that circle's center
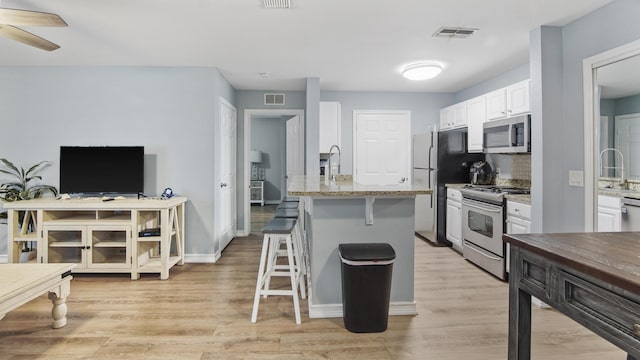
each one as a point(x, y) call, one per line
point(510, 135)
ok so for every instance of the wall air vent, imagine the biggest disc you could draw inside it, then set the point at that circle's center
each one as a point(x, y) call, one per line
point(273, 99)
point(454, 32)
point(277, 4)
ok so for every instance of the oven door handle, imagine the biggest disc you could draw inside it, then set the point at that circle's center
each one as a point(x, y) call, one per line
point(481, 206)
point(472, 247)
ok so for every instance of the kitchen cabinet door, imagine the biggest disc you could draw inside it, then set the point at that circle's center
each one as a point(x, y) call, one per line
point(497, 104)
point(609, 214)
point(454, 222)
point(518, 98)
point(329, 125)
point(509, 101)
point(459, 115)
point(446, 116)
point(476, 115)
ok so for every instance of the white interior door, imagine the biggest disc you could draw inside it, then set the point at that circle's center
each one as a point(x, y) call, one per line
point(294, 151)
point(627, 140)
point(226, 206)
point(382, 145)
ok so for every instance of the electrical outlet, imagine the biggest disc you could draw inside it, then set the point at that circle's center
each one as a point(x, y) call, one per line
point(576, 178)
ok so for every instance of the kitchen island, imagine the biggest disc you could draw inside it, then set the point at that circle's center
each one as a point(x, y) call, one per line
point(348, 212)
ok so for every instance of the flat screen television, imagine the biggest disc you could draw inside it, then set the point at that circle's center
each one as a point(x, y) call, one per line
point(102, 169)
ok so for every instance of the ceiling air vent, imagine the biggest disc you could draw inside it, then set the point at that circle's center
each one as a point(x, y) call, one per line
point(277, 4)
point(273, 99)
point(454, 32)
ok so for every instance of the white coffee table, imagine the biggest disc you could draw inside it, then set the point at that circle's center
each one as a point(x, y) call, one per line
point(21, 283)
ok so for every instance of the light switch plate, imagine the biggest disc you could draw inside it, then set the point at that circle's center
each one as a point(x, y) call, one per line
point(576, 178)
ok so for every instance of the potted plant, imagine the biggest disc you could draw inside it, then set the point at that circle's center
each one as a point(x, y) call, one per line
point(24, 185)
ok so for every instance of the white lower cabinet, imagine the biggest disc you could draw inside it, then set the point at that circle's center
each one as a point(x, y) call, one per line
point(609, 213)
point(454, 218)
point(518, 221)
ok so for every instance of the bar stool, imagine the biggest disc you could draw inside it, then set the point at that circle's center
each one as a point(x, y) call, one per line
point(291, 199)
point(274, 231)
point(299, 241)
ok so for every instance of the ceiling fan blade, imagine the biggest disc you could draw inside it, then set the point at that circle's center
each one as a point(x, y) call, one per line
point(29, 18)
point(27, 38)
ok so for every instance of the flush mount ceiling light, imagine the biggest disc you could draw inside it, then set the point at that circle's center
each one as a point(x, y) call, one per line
point(421, 71)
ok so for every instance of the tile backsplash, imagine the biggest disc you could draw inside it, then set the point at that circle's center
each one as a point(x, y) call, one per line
point(521, 167)
point(520, 172)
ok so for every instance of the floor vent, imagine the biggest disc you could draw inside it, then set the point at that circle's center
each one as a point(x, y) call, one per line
point(273, 99)
point(277, 4)
point(454, 32)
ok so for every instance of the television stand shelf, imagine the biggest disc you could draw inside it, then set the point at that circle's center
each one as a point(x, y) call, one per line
point(99, 236)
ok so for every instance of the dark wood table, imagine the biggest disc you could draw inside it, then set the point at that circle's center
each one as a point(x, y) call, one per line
point(593, 278)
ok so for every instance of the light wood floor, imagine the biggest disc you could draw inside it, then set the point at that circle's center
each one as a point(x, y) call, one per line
point(203, 312)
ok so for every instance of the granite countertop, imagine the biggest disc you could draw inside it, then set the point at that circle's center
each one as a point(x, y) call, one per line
point(619, 193)
point(345, 187)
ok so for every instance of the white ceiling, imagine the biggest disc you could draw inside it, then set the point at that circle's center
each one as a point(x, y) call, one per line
point(351, 45)
point(620, 79)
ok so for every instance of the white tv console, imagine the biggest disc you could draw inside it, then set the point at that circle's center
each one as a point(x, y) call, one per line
point(100, 236)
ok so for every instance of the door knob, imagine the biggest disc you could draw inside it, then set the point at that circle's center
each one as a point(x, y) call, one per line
point(403, 180)
point(223, 185)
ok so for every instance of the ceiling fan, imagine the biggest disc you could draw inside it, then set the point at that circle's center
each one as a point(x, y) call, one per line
point(10, 18)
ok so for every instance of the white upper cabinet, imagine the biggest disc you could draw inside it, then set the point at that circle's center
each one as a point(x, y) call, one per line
point(509, 101)
point(497, 104)
point(518, 98)
point(329, 125)
point(476, 115)
point(453, 117)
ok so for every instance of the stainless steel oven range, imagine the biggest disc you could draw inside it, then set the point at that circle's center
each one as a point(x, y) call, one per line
point(483, 223)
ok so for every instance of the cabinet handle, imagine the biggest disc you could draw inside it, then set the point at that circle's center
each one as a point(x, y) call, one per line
point(517, 210)
point(636, 329)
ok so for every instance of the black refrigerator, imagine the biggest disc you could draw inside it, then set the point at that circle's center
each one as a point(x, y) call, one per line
point(453, 164)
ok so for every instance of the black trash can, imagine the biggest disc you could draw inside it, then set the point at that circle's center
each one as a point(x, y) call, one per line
point(366, 285)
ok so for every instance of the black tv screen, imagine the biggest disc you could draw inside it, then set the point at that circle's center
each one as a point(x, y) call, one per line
point(106, 169)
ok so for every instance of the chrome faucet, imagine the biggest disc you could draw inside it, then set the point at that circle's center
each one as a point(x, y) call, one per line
point(604, 169)
point(332, 176)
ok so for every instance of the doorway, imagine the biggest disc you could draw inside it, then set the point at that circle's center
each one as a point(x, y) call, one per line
point(292, 148)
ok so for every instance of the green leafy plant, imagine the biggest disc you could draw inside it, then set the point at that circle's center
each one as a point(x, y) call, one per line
point(22, 187)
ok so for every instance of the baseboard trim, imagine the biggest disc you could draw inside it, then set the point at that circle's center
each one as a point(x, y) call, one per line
point(4, 259)
point(201, 259)
point(335, 310)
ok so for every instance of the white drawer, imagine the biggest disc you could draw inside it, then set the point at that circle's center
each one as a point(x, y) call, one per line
point(519, 209)
point(610, 202)
point(454, 194)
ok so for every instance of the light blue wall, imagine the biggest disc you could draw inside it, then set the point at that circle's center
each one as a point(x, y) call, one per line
point(424, 107)
point(254, 99)
point(509, 77)
point(628, 105)
point(268, 136)
point(172, 112)
point(611, 26)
